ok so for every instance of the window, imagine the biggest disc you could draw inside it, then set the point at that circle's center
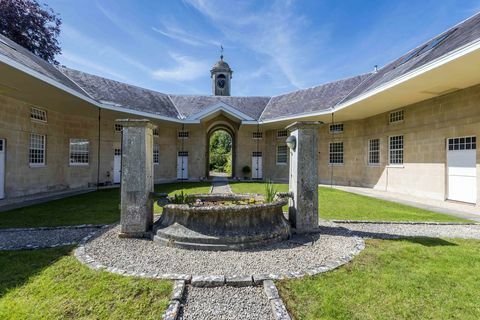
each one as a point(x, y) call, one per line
point(38, 114)
point(374, 151)
point(183, 153)
point(36, 154)
point(156, 154)
point(257, 135)
point(155, 132)
point(282, 154)
point(396, 150)
point(336, 153)
point(336, 128)
point(467, 143)
point(1, 144)
point(427, 47)
point(396, 116)
point(282, 134)
point(183, 135)
point(118, 128)
point(117, 152)
point(79, 151)
point(256, 154)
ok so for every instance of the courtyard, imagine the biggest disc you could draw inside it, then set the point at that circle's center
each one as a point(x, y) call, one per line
point(406, 271)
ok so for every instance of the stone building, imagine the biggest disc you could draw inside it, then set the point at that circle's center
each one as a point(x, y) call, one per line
point(410, 126)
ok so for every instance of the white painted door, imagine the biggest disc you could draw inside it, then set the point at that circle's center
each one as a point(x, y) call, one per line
point(257, 166)
point(461, 169)
point(182, 165)
point(117, 165)
point(2, 168)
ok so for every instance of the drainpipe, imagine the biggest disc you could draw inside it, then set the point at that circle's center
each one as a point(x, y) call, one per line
point(98, 148)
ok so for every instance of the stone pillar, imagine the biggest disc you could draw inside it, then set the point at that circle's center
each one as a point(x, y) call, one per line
point(303, 176)
point(137, 177)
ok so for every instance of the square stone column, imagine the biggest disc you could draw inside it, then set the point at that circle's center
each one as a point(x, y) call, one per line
point(303, 176)
point(137, 177)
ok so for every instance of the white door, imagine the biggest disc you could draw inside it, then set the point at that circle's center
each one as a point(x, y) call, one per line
point(2, 168)
point(461, 169)
point(182, 165)
point(257, 167)
point(117, 165)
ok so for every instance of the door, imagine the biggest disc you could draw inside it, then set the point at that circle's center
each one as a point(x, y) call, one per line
point(2, 168)
point(461, 169)
point(117, 165)
point(257, 166)
point(182, 165)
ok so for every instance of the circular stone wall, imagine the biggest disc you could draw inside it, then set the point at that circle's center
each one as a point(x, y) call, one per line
point(216, 226)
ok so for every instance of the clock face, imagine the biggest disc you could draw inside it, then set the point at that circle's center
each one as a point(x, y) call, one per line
point(221, 83)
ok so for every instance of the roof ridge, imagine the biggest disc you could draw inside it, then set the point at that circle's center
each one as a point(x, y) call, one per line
point(264, 109)
point(180, 114)
point(77, 84)
point(346, 96)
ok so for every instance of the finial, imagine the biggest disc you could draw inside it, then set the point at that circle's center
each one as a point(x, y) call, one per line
point(221, 52)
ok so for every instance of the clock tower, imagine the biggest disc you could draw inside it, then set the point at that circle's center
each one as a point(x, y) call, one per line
point(221, 75)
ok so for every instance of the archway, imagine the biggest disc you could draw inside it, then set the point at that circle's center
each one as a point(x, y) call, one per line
point(220, 153)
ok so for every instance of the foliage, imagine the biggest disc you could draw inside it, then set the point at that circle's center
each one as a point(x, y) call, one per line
point(414, 278)
point(52, 284)
point(31, 25)
point(180, 198)
point(270, 192)
point(220, 152)
point(97, 207)
point(336, 204)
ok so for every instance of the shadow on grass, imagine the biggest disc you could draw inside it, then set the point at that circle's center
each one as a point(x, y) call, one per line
point(18, 267)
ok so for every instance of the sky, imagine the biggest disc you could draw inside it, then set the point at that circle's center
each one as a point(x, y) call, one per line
point(273, 46)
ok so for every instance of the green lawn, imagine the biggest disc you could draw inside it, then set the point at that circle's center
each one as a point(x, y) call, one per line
point(415, 278)
point(97, 207)
point(52, 284)
point(340, 205)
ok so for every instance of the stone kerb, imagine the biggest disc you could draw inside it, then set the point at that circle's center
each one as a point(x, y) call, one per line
point(136, 177)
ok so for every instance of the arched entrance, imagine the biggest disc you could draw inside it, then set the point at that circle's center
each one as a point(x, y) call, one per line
point(220, 151)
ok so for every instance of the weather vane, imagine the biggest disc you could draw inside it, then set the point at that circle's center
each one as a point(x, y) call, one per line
point(221, 52)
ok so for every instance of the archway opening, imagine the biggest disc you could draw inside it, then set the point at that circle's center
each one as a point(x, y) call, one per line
point(220, 153)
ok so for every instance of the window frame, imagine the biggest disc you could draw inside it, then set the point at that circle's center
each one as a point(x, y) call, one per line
point(155, 132)
point(390, 114)
point(336, 131)
point(396, 165)
point(277, 154)
point(156, 154)
point(116, 126)
point(370, 151)
point(41, 111)
point(257, 135)
point(183, 134)
point(330, 163)
point(282, 136)
point(78, 164)
point(44, 150)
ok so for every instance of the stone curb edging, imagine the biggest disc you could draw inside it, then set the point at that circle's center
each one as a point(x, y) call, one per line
point(408, 222)
point(218, 280)
point(278, 307)
point(34, 247)
point(78, 226)
point(173, 309)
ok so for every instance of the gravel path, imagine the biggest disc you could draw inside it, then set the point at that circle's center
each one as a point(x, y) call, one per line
point(12, 239)
point(220, 187)
point(300, 254)
point(384, 231)
point(226, 303)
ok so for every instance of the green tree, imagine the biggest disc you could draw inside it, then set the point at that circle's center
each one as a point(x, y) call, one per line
point(220, 151)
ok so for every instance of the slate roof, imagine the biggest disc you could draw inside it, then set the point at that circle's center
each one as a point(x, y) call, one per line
point(190, 105)
point(322, 97)
point(23, 56)
point(123, 95)
point(318, 98)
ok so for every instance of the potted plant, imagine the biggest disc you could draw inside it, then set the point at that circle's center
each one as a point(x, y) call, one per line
point(246, 171)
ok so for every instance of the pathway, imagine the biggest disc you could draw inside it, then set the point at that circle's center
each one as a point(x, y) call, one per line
point(35, 238)
point(220, 185)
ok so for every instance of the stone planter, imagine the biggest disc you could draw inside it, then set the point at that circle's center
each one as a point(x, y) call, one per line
point(218, 227)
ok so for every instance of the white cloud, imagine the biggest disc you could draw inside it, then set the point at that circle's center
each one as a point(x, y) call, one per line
point(186, 68)
point(179, 34)
point(85, 63)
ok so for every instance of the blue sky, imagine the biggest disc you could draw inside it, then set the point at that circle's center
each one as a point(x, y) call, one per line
point(273, 46)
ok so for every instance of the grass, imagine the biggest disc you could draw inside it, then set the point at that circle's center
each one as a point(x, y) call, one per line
point(52, 284)
point(340, 205)
point(418, 278)
point(97, 207)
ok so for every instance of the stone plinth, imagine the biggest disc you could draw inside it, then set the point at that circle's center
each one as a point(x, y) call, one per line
point(137, 177)
point(303, 176)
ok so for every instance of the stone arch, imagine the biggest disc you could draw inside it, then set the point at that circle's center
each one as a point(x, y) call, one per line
point(231, 130)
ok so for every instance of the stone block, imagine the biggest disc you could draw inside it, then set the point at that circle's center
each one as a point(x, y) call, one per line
point(208, 281)
point(239, 281)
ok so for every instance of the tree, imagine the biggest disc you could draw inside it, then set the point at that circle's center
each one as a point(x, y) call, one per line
point(220, 152)
point(31, 25)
